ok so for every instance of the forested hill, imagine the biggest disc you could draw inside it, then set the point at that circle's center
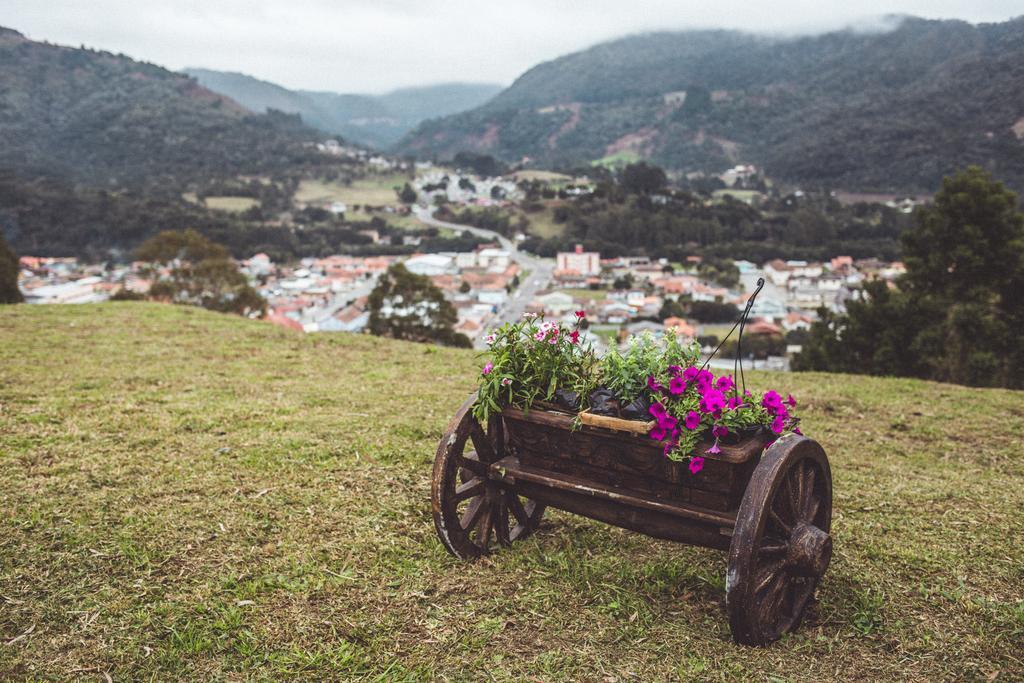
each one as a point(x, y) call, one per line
point(377, 120)
point(854, 110)
point(107, 120)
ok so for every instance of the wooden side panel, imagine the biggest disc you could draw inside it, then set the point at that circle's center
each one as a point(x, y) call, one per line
point(626, 461)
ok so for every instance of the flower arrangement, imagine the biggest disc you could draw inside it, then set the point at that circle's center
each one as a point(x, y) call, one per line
point(533, 359)
point(652, 379)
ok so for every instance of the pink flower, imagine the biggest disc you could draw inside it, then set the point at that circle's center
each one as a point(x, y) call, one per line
point(675, 370)
point(658, 433)
point(790, 401)
point(714, 448)
point(778, 424)
point(490, 338)
point(540, 335)
point(581, 314)
point(505, 381)
point(724, 383)
point(667, 422)
point(796, 430)
point(656, 409)
point(676, 386)
point(652, 384)
point(692, 420)
point(734, 403)
point(719, 431)
point(690, 373)
point(772, 401)
point(574, 336)
point(488, 367)
point(696, 464)
point(668, 448)
point(704, 380)
point(712, 401)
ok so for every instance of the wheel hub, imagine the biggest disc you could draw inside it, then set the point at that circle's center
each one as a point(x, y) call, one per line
point(809, 551)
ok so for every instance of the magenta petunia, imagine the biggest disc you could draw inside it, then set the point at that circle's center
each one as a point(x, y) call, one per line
point(656, 409)
point(724, 383)
point(796, 430)
point(772, 400)
point(658, 433)
point(734, 403)
point(675, 370)
point(778, 424)
point(790, 401)
point(705, 379)
point(652, 384)
point(690, 373)
point(488, 367)
point(692, 420)
point(668, 449)
point(696, 464)
point(718, 431)
point(676, 386)
point(712, 401)
point(667, 422)
point(714, 448)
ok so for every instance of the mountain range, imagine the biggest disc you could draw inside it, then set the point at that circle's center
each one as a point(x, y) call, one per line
point(376, 120)
point(96, 118)
point(884, 110)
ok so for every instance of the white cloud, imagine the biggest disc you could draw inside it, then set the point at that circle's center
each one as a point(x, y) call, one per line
point(376, 45)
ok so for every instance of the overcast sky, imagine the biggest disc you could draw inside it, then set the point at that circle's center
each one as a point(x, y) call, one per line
point(376, 45)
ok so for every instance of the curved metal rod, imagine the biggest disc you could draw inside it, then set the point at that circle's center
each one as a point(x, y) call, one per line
point(741, 323)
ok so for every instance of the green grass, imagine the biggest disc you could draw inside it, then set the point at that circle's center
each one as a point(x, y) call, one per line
point(375, 190)
point(189, 496)
point(618, 159)
point(233, 204)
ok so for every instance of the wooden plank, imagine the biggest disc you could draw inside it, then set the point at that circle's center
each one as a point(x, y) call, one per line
point(617, 423)
point(731, 453)
point(509, 470)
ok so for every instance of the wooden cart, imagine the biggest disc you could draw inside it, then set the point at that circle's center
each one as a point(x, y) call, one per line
point(771, 509)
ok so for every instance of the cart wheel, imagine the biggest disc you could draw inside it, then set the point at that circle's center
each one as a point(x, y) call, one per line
point(781, 544)
point(472, 512)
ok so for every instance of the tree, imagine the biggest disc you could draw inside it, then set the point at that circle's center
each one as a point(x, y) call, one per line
point(643, 178)
point(713, 312)
point(671, 308)
point(958, 314)
point(198, 272)
point(9, 268)
point(407, 306)
point(407, 195)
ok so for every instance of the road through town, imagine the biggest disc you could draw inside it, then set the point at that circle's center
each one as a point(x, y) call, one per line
point(535, 276)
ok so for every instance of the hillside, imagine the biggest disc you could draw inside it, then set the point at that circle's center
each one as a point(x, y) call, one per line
point(376, 120)
point(107, 120)
point(207, 497)
point(854, 110)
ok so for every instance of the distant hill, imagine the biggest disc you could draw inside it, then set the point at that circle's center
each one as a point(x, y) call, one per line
point(107, 120)
point(853, 110)
point(376, 120)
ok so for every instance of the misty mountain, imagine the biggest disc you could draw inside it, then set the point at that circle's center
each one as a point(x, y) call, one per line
point(101, 119)
point(855, 110)
point(376, 120)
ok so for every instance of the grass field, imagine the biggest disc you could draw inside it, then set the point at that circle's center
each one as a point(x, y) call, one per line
point(376, 190)
point(543, 225)
point(233, 204)
point(618, 159)
point(189, 496)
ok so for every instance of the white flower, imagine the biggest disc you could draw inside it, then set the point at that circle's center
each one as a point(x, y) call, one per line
point(490, 338)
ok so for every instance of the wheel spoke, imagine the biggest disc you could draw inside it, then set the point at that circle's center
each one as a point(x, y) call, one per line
point(779, 521)
point(484, 527)
point(484, 447)
point(473, 487)
point(516, 506)
point(810, 502)
point(771, 571)
point(471, 462)
point(791, 494)
point(501, 532)
point(772, 549)
point(473, 512)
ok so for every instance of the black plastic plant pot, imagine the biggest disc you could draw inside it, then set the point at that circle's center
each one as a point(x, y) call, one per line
point(604, 402)
point(636, 409)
